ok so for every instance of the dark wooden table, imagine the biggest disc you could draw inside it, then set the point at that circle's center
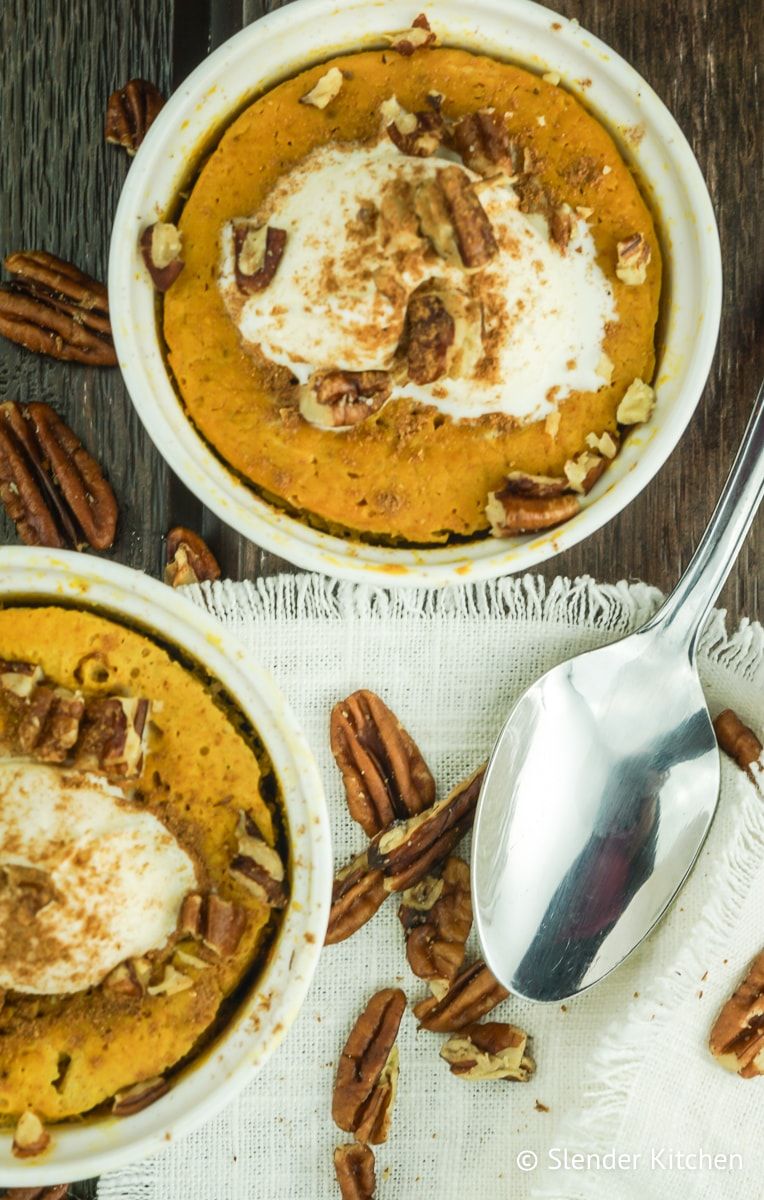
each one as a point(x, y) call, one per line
point(60, 184)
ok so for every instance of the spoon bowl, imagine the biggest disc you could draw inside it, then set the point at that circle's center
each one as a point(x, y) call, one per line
point(592, 812)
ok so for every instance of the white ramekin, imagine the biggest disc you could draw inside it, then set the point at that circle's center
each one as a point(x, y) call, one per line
point(87, 1149)
point(309, 31)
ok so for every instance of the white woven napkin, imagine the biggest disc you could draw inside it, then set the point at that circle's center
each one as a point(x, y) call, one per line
point(624, 1067)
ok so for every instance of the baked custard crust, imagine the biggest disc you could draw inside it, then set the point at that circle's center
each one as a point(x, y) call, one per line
point(61, 1056)
point(407, 474)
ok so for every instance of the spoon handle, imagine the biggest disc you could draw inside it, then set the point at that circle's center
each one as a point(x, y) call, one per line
point(683, 613)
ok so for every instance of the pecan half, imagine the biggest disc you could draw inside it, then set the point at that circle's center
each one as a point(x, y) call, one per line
point(53, 308)
point(490, 1051)
point(482, 141)
point(342, 399)
point(257, 252)
point(357, 893)
point(219, 923)
point(130, 112)
point(436, 916)
point(407, 851)
point(189, 558)
point(257, 866)
point(58, 1191)
point(134, 1099)
point(430, 330)
point(417, 38)
point(30, 1137)
point(325, 90)
point(354, 1168)
point(52, 489)
point(510, 513)
point(112, 736)
point(473, 993)
point(472, 228)
point(162, 250)
point(385, 775)
point(737, 740)
point(417, 134)
point(633, 259)
point(364, 1087)
point(737, 1038)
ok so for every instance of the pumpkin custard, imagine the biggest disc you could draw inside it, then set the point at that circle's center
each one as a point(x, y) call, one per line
point(139, 880)
point(419, 297)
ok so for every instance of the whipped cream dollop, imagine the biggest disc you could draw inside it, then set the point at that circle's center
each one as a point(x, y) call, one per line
point(87, 879)
point(351, 263)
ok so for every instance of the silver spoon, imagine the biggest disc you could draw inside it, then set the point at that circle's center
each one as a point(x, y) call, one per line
point(604, 780)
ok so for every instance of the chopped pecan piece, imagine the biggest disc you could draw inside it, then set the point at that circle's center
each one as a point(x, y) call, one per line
point(354, 1168)
point(737, 740)
point(561, 225)
point(189, 558)
point(49, 724)
point(435, 220)
point(417, 38)
point(258, 250)
point(357, 893)
point(257, 866)
point(583, 471)
point(436, 916)
point(417, 134)
point(430, 331)
point(130, 978)
point(473, 993)
point(634, 256)
point(52, 724)
point(112, 737)
point(51, 487)
point(162, 249)
point(30, 890)
point(490, 1051)
point(20, 678)
point(385, 775)
point(191, 917)
point(407, 851)
point(222, 925)
point(511, 514)
point(325, 90)
point(53, 308)
point(130, 112)
point(30, 1136)
point(364, 1088)
point(482, 141)
point(605, 443)
point(172, 982)
point(637, 404)
point(472, 228)
point(737, 1038)
point(342, 399)
point(134, 1099)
